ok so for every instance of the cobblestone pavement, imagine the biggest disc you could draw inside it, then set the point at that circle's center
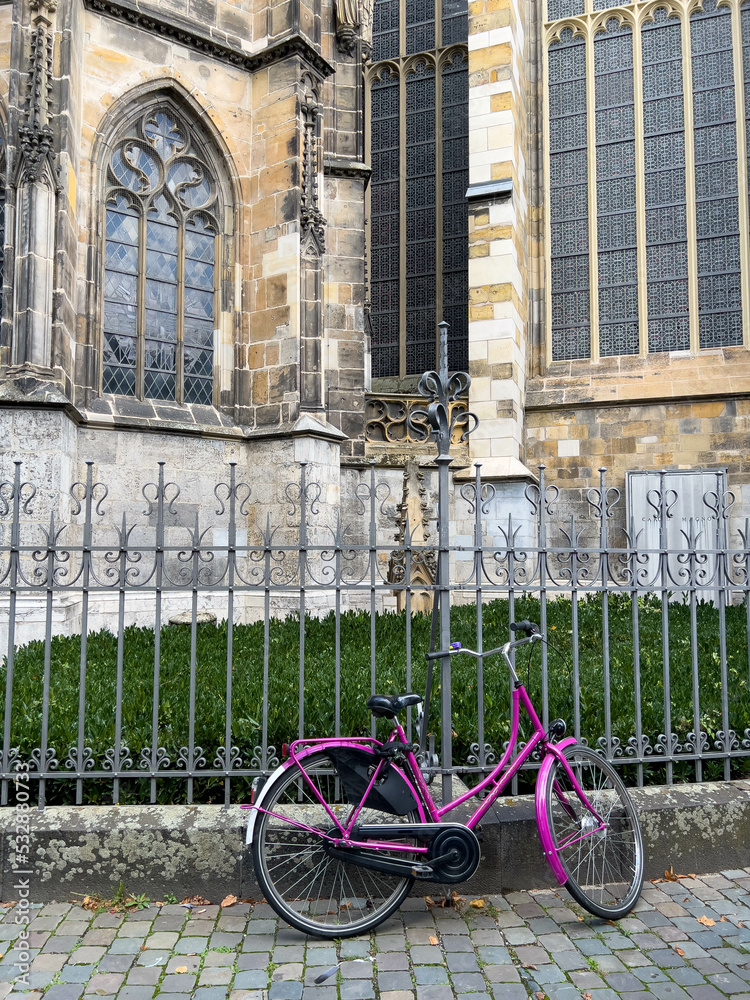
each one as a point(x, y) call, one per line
point(685, 940)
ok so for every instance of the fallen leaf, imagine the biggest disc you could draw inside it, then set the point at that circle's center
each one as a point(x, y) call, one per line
point(192, 954)
point(478, 904)
point(143, 947)
point(433, 939)
point(529, 965)
point(581, 919)
point(203, 910)
point(430, 901)
point(670, 875)
point(228, 901)
point(706, 921)
point(686, 899)
point(8, 905)
point(181, 968)
point(586, 996)
point(195, 901)
point(723, 920)
point(540, 996)
point(740, 924)
point(680, 952)
point(456, 900)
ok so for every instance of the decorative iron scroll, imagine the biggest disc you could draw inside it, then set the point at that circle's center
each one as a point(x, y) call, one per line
point(388, 420)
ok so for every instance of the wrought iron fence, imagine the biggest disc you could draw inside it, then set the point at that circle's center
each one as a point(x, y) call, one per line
point(648, 628)
point(649, 646)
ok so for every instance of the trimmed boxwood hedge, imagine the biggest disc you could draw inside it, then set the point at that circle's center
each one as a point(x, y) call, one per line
point(390, 629)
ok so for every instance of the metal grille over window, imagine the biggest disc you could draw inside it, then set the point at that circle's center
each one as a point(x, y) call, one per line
point(420, 219)
point(569, 220)
point(615, 190)
point(159, 280)
point(384, 231)
point(716, 192)
point(420, 26)
point(664, 163)
point(651, 96)
point(418, 213)
point(385, 29)
point(455, 210)
point(745, 25)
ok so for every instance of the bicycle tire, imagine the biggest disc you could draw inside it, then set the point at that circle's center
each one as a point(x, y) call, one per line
point(313, 892)
point(605, 870)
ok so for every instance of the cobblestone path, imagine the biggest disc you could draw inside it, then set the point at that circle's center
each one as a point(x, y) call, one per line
point(685, 940)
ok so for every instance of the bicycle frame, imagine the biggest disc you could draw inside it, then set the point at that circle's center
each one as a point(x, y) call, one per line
point(494, 784)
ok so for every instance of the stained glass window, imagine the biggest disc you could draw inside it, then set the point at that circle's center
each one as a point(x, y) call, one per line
point(664, 165)
point(617, 243)
point(716, 193)
point(569, 217)
point(419, 151)
point(159, 264)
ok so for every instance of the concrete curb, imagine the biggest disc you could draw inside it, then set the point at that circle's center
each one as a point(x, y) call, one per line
point(200, 850)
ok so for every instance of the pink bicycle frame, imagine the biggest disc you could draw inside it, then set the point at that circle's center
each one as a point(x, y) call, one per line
point(493, 784)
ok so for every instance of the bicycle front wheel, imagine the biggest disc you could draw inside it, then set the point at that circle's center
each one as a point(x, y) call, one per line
point(308, 888)
point(603, 860)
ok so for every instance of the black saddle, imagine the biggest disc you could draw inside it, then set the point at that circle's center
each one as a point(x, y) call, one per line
point(387, 706)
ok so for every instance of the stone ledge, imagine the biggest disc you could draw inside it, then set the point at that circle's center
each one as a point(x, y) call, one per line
point(200, 849)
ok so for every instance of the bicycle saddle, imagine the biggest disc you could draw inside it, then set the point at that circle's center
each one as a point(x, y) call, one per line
point(387, 706)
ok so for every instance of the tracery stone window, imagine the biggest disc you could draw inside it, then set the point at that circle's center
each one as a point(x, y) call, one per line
point(162, 233)
point(646, 238)
point(418, 150)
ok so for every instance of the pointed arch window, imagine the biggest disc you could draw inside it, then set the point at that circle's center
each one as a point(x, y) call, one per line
point(162, 234)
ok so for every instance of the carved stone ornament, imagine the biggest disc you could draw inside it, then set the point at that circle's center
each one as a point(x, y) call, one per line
point(347, 24)
point(312, 223)
point(36, 139)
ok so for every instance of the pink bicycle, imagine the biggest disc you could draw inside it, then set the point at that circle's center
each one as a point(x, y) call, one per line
point(344, 827)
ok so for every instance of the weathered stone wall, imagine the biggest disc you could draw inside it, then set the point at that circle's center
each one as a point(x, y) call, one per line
point(575, 441)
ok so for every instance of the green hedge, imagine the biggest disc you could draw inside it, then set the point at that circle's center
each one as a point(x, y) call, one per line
point(390, 632)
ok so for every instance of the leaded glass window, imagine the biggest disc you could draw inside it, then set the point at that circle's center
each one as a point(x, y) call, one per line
point(418, 150)
point(664, 165)
point(568, 180)
point(161, 234)
point(645, 255)
point(455, 210)
point(716, 192)
point(615, 190)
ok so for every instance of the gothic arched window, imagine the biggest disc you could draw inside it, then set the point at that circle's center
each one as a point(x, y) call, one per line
point(162, 231)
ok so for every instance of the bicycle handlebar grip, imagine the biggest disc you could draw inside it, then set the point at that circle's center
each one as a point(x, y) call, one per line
point(525, 626)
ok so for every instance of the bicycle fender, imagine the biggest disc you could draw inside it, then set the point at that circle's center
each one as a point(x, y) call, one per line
point(273, 777)
point(548, 847)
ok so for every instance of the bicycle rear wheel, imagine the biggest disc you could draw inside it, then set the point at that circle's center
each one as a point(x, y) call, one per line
point(308, 888)
point(604, 867)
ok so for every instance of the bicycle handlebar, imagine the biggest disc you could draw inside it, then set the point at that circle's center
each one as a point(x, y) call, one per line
point(531, 634)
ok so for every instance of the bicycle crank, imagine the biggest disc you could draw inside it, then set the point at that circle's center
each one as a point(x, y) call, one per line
point(453, 854)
